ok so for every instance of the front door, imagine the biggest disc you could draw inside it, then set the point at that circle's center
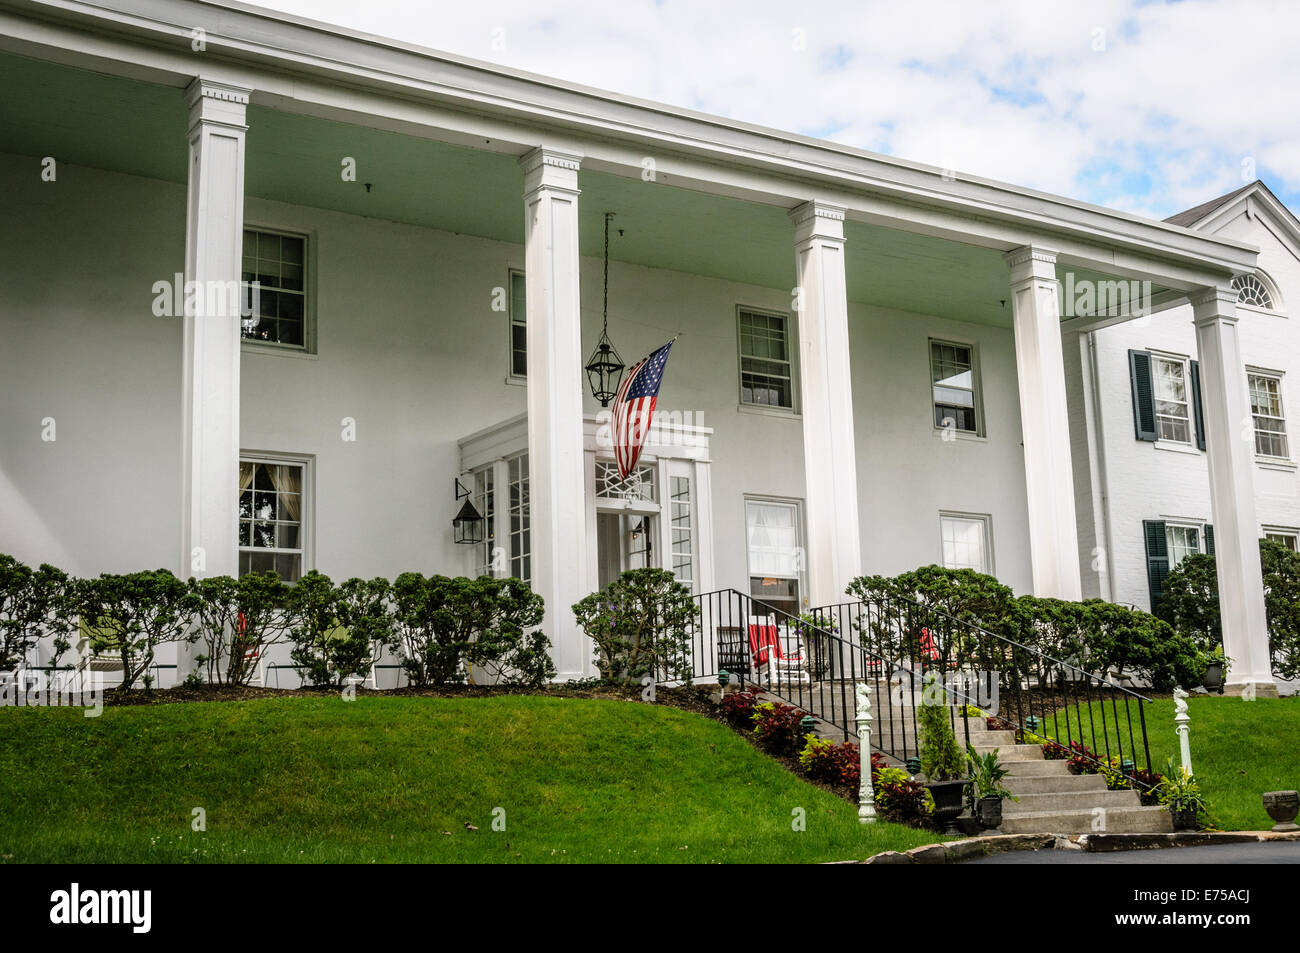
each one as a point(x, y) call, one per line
point(624, 540)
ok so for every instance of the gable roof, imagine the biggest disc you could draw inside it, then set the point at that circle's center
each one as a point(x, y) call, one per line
point(1193, 215)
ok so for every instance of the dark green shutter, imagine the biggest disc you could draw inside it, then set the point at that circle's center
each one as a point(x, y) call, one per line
point(1209, 539)
point(1157, 558)
point(1144, 401)
point(1197, 413)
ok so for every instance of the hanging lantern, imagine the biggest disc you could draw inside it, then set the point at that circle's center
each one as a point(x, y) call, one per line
point(605, 367)
point(467, 527)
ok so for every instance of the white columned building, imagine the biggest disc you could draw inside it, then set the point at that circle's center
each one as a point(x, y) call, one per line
point(1229, 439)
point(214, 232)
point(1044, 421)
point(830, 460)
point(556, 472)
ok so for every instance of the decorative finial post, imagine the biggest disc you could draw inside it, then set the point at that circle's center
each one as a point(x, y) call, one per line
point(1182, 720)
point(866, 793)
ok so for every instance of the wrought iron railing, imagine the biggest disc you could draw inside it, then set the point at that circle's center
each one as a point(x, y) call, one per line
point(903, 649)
point(815, 666)
point(1087, 714)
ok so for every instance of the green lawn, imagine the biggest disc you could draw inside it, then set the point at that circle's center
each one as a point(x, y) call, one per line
point(318, 779)
point(1240, 749)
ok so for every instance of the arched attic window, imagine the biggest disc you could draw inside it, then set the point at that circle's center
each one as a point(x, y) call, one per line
point(1256, 291)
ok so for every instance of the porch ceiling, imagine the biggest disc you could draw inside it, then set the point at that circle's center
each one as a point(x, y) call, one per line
point(109, 122)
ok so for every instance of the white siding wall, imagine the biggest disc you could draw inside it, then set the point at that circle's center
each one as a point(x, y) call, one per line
point(409, 347)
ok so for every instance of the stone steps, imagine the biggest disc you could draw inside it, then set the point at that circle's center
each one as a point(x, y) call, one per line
point(1066, 801)
point(1020, 785)
point(1121, 820)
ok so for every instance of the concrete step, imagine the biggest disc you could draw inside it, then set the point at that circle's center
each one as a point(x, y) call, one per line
point(1053, 784)
point(1122, 820)
point(1070, 801)
point(1012, 753)
point(990, 739)
point(1038, 769)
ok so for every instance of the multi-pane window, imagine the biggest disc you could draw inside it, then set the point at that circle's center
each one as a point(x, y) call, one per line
point(1270, 421)
point(485, 503)
point(952, 379)
point(1287, 537)
point(518, 325)
point(775, 554)
point(965, 542)
point(1171, 393)
point(1183, 541)
point(1252, 291)
point(766, 376)
point(271, 518)
point(275, 310)
point(521, 560)
point(679, 515)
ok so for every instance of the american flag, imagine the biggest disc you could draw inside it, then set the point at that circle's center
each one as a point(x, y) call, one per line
point(634, 408)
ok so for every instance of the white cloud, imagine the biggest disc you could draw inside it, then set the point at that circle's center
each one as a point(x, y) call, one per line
point(1156, 120)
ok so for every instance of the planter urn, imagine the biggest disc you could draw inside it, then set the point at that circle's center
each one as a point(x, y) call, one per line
point(1213, 680)
point(948, 797)
point(1185, 819)
point(988, 810)
point(1283, 806)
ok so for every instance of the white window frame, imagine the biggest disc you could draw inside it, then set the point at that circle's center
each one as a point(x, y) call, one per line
point(1170, 526)
point(976, 387)
point(307, 521)
point(791, 349)
point(514, 320)
point(1280, 378)
point(985, 521)
point(308, 346)
point(1275, 306)
point(1189, 397)
point(801, 574)
point(1290, 532)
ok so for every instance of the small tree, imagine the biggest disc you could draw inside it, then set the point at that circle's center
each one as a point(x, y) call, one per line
point(237, 621)
point(941, 758)
point(337, 631)
point(131, 615)
point(33, 603)
point(640, 623)
point(1190, 603)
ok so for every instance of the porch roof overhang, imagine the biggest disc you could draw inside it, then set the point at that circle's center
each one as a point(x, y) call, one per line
point(316, 70)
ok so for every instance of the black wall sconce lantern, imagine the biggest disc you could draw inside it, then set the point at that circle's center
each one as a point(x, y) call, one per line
point(467, 527)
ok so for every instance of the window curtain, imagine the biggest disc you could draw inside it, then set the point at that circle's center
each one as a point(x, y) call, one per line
point(288, 487)
point(246, 471)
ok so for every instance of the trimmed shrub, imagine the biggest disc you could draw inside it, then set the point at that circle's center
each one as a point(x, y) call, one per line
point(337, 631)
point(131, 615)
point(640, 624)
point(941, 758)
point(237, 620)
point(33, 603)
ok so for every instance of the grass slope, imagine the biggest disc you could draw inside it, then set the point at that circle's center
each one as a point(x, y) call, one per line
point(398, 779)
point(1240, 749)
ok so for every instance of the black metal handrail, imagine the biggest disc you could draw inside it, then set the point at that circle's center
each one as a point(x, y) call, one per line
point(1033, 689)
point(814, 667)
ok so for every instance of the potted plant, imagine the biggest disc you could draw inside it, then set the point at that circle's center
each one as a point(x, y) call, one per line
point(1215, 671)
point(942, 764)
point(1181, 793)
point(987, 792)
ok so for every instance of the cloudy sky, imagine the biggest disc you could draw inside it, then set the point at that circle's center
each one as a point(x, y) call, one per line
point(1145, 106)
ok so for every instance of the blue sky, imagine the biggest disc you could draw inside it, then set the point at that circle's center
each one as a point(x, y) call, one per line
point(1149, 107)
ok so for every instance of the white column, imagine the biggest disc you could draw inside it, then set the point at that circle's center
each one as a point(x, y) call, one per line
point(830, 460)
point(214, 225)
point(1044, 423)
point(555, 384)
point(1230, 448)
